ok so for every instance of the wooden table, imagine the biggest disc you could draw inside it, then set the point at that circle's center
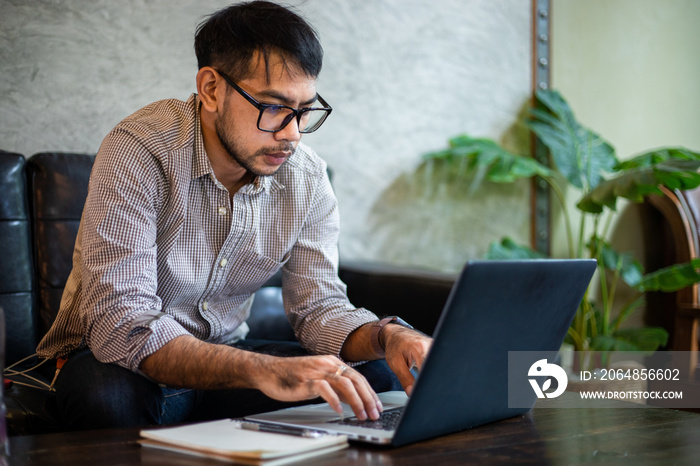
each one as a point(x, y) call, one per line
point(549, 434)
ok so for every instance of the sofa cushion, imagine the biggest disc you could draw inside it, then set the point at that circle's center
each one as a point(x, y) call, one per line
point(58, 185)
point(417, 295)
point(267, 319)
point(16, 285)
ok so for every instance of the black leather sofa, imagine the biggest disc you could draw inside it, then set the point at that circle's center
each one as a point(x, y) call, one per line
point(41, 200)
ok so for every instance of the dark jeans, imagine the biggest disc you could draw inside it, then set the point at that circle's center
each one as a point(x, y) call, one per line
point(91, 394)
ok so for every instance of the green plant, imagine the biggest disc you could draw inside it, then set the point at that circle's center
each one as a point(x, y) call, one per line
point(583, 161)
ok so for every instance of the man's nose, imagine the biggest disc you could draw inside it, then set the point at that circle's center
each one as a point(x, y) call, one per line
point(289, 132)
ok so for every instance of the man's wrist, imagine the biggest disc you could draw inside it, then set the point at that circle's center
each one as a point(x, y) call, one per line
point(377, 335)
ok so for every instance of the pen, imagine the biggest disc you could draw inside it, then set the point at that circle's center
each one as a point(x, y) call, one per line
point(280, 429)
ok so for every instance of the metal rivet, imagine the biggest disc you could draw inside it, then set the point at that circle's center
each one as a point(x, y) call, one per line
point(543, 85)
point(542, 234)
point(543, 61)
point(543, 13)
point(542, 37)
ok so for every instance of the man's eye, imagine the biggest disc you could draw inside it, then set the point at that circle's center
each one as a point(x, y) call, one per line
point(276, 110)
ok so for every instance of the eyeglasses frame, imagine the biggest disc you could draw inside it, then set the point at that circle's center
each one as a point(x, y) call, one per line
point(296, 113)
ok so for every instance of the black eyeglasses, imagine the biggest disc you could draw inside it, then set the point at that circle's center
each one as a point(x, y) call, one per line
point(275, 118)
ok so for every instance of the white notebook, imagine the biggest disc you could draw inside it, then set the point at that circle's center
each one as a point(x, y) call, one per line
point(226, 439)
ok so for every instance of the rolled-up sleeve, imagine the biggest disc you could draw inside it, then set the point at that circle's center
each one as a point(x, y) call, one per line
point(315, 298)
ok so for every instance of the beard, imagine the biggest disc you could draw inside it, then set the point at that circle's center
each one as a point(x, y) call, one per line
point(246, 160)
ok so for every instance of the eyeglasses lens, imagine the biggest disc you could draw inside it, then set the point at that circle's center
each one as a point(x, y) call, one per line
point(275, 118)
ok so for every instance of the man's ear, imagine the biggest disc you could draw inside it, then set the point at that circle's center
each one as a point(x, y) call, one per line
point(208, 84)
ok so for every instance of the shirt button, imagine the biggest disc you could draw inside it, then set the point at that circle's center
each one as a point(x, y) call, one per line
point(205, 305)
point(223, 262)
point(222, 210)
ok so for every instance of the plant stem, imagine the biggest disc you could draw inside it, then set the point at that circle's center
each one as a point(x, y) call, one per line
point(608, 223)
point(590, 315)
point(635, 301)
point(608, 298)
point(582, 228)
point(584, 314)
point(565, 209)
point(595, 248)
point(578, 342)
point(613, 287)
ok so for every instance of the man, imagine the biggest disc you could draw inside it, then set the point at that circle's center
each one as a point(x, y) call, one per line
point(191, 207)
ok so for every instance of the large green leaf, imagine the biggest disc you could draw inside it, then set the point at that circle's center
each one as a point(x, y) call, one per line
point(500, 165)
point(672, 278)
point(639, 181)
point(631, 339)
point(509, 249)
point(630, 269)
point(579, 154)
point(657, 156)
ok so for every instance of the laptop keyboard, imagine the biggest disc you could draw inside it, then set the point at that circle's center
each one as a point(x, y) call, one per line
point(388, 420)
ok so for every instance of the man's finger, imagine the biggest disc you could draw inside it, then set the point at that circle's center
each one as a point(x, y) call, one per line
point(354, 390)
point(369, 398)
point(404, 375)
point(325, 391)
point(345, 388)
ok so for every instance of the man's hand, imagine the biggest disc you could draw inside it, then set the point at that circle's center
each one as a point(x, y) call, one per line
point(405, 348)
point(308, 377)
point(190, 363)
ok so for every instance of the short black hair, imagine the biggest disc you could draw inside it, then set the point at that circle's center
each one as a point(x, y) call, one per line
point(228, 39)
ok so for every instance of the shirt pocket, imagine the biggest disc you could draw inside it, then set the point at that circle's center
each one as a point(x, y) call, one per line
point(252, 270)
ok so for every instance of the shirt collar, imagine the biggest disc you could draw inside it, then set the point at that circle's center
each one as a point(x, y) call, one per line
point(201, 165)
point(262, 184)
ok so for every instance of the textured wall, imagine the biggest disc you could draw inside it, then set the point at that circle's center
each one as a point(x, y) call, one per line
point(402, 76)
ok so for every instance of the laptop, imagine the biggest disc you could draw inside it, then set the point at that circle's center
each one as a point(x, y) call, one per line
point(495, 307)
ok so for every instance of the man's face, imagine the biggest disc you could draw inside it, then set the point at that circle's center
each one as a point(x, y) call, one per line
point(259, 152)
